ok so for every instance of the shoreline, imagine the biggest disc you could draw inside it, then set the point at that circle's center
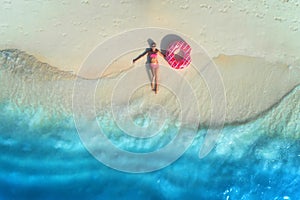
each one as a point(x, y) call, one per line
point(252, 86)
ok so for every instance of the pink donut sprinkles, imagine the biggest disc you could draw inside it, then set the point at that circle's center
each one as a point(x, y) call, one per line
point(178, 55)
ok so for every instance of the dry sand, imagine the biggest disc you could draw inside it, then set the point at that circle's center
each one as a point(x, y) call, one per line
point(62, 33)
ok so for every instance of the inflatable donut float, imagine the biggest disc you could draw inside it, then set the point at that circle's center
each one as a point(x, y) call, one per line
point(178, 55)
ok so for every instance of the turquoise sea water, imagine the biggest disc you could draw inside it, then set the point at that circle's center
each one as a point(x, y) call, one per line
point(42, 156)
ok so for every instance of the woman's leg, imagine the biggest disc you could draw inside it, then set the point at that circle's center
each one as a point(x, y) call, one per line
point(153, 78)
point(156, 74)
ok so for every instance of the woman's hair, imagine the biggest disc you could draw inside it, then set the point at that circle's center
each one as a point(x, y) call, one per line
point(153, 44)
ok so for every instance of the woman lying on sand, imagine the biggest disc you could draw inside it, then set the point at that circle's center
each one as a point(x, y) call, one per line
point(152, 57)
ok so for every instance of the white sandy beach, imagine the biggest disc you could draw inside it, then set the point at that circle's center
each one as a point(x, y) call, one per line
point(255, 44)
point(62, 33)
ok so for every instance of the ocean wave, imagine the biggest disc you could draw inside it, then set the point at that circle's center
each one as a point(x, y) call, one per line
point(25, 66)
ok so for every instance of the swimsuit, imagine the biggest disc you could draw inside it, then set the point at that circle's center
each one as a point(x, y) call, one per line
point(153, 56)
point(154, 65)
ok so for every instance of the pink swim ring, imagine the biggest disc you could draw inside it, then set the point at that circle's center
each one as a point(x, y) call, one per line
point(178, 55)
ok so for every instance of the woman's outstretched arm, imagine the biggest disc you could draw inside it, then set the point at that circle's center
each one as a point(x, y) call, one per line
point(144, 53)
point(160, 53)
